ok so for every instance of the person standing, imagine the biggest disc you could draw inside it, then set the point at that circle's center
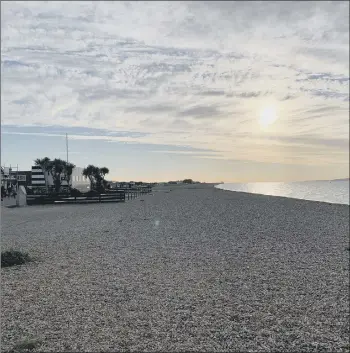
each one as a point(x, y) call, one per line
point(3, 192)
point(9, 190)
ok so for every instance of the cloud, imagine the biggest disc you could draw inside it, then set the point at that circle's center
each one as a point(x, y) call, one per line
point(170, 72)
point(310, 140)
point(153, 109)
point(249, 94)
point(327, 94)
point(212, 93)
point(328, 77)
point(200, 112)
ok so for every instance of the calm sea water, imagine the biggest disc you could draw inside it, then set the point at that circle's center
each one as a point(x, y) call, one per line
point(333, 191)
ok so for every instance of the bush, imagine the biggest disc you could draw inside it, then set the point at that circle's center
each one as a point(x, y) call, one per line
point(75, 192)
point(26, 345)
point(12, 258)
point(91, 193)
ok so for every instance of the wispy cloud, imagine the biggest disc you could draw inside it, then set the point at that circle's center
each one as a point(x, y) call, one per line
point(200, 112)
point(162, 73)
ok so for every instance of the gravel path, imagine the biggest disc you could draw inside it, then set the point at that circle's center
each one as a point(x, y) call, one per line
point(195, 268)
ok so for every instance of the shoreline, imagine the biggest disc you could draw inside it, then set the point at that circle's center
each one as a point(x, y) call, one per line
point(194, 268)
point(289, 197)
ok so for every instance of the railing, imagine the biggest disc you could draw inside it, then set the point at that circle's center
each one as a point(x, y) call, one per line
point(136, 192)
point(117, 195)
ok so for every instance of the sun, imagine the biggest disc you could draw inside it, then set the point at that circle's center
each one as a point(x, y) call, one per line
point(268, 116)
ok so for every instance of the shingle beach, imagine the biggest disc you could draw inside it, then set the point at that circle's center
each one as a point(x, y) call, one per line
point(184, 268)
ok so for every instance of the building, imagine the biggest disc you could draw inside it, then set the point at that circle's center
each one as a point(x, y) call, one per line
point(8, 177)
point(77, 177)
point(24, 177)
point(37, 178)
point(12, 176)
point(40, 178)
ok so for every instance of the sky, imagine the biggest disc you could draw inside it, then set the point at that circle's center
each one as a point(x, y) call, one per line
point(156, 91)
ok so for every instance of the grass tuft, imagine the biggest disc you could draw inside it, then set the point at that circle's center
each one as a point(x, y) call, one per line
point(27, 345)
point(13, 258)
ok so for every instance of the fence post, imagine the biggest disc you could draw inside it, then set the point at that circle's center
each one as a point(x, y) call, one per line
point(99, 198)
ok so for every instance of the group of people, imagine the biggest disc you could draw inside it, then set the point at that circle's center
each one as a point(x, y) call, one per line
point(9, 192)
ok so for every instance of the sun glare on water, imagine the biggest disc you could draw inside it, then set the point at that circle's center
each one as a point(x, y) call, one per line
point(267, 117)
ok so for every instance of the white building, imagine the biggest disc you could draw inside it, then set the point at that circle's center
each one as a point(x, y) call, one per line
point(77, 177)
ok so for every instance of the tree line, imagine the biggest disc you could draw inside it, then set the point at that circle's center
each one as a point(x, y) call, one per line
point(57, 167)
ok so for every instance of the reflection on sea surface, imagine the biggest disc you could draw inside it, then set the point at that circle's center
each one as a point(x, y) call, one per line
point(333, 191)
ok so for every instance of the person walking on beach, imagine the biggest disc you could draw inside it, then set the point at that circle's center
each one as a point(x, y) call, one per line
point(9, 190)
point(14, 192)
point(3, 192)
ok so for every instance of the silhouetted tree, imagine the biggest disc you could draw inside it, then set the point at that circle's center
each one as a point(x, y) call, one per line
point(96, 176)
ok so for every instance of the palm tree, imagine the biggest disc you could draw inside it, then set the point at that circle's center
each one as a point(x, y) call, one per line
point(103, 172)
point(89, 172)
point(68, 170)
point(98, 179)
point(45, 165)
point(96, 176)
point(57, 168)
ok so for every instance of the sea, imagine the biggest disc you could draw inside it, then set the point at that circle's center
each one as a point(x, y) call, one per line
point(332, 191)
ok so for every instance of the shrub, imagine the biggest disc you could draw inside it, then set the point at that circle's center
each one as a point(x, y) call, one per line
point(91, 193)
point(12, 258)
point(75, 192)
point(26, 345)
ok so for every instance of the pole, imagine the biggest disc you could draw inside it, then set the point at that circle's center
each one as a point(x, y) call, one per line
point(67, 146)
point(10, 172)
point(17, 191)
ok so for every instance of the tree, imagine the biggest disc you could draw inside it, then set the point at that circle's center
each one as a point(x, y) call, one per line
point(103, 171)
point(57, 168)
point(98, 179)
point(188, 181)
point(68, 171)
point(45, 165)
point(89, 173)
point(96, 176)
